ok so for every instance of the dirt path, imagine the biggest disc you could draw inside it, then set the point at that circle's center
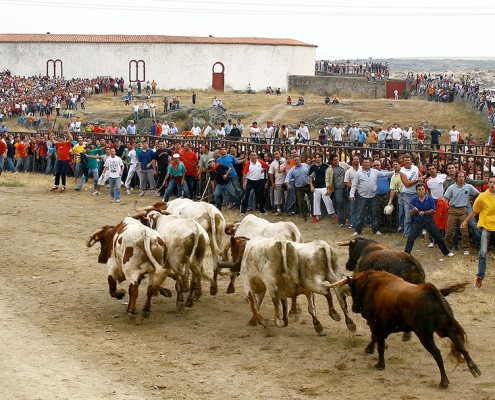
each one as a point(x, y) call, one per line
point(275, 113)
point(63, 337)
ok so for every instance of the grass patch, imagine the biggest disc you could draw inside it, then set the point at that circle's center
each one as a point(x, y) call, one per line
point(12, 184)
point(401, 242)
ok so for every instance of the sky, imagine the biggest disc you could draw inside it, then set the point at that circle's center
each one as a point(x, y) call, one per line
point(352, 29)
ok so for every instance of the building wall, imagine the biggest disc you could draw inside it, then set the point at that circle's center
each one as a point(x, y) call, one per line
point(172, 66)
point(337, 85)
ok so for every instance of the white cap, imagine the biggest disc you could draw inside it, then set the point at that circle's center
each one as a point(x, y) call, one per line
point(176, 155)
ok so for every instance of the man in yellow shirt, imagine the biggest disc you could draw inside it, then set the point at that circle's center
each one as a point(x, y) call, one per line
point(484, 206)
point(76, 151)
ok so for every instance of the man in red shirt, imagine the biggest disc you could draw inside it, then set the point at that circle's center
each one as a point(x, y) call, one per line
point(62, 164)
point(190, 160)
point(3, 153)
point(21, 148)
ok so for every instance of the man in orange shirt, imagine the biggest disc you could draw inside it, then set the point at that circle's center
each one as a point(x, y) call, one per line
point(3, 153)
point(190, 160)
point(62, 164)
point(21, 148)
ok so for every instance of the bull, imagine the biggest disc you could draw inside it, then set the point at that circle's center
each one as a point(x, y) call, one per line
point(389, 304)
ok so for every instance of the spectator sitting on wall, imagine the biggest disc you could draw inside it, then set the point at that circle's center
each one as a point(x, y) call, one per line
point(278, 92)
point(289, 100)
point(327, 100)
point(335, 100)
point(300, 101)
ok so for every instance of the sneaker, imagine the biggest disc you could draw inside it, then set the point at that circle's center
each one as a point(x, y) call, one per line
point(315, 219)
point(351, 226)
point(117, 200)
point(278, 213)
point(96, 193)
point(478, 283)
point(355, 234)
point(466, 252)
point(112, 200)
point(431, 245)
point(78, 189)
point(399, 229)
point(264, 213)
point(141, 193)
point(341, 225)
point(128, 191)
point(54, 188)
point(450, 254)
point(62, 189)
point(242, 214)
point(378, 233)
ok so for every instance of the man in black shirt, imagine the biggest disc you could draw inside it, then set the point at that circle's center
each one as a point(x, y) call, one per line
point(317, 183)
point(235, 133)
point(435, 136)
point(160, 165)
point(220, 174)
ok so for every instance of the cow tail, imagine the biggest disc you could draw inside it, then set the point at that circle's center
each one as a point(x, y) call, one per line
point(332, 261)
point(149, 253)
point(452, 321)
point(457, 288)
point(214, 231)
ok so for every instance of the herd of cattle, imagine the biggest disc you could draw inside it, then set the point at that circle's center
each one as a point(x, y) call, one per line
point(387, 287)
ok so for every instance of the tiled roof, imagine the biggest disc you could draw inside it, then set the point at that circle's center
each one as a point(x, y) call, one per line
point(62, 38)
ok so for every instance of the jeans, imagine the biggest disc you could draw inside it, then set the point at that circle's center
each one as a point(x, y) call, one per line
point(191, 185)
point(136, 116)
point(354, 209)
point(79, 170)
point(221, 189)
point(417, 228)
point(147, 175)
point(454, 146)
point(94, 173)
point(407, 217)
point(49, 165)
point(339, 197)
point(30, 163)
point(485, 240)
point(114, 187)
point(181, 185)
point(10, 165)
point(21, 164)
point(473, 226)
point(406, 145)
point(367, 206)
point(2, 162)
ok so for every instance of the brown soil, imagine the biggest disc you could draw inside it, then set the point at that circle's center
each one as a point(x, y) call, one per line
point(65, 338)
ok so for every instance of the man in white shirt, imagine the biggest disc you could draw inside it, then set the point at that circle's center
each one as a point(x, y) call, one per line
point(114, 167)
point(268, 132)
point(396, 136)
point(303, 132)
point(353, 131)
point(454, 139)
point(165, 129)
point(132, 166)
point(277, 175)
point(336, 133)
point(206, 130)
point(196, 130)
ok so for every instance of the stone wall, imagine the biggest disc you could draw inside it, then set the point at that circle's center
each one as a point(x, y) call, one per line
point(341, 86)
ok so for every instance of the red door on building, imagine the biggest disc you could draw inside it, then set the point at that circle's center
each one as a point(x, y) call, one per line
point(392, 85)
point(218, 80)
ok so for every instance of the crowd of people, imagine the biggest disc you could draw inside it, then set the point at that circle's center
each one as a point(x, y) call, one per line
point(373, 70)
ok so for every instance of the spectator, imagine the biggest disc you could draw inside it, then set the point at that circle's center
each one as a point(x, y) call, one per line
point(298, 176)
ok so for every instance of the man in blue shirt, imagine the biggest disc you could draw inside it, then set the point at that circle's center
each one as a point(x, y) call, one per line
point(435, 137)
point(422, 210)
point(298, 176)
point(145, 168)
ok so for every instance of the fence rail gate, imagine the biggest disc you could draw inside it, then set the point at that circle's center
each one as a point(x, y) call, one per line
point(218, 80)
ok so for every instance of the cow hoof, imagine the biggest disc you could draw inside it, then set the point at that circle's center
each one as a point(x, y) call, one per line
point(286, 322)
point(165, 292)
point(380, 366)
point(318, 327)
point(370, 349)
point(335, 316)
point(253, 322)
point(146, 313)
point(351, 326)
point(131, 317)
point(406, 336)
point(443, 385)
point(214, 290)
point(189, 303)
point(119, 295)
point(230, 289)
point(474, 370)
point(280, 323)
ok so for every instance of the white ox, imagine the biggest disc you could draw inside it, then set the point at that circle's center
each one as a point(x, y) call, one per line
point(207, 216)
point(131, 251)
point(187, 242)
point(286, 269)
point(250, 227)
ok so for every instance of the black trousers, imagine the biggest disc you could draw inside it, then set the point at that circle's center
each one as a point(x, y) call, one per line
point(259, 192)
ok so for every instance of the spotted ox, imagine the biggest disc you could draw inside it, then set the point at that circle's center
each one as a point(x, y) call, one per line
point(249, 227)
point(389, 304)
point(285, 269)
point(187, 242)
point(207, 216)
point(131, 251)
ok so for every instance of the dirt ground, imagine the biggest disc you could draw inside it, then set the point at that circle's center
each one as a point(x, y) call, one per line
point(63, 337)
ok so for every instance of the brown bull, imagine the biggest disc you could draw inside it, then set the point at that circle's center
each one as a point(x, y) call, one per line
point(389, 304)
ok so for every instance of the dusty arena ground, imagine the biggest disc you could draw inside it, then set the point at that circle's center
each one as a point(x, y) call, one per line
point(63, 337)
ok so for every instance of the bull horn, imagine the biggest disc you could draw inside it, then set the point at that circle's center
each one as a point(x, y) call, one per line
point(91, 241)
point(138, 215)
point(346, 243)
point(165, 212)
point(342, 282)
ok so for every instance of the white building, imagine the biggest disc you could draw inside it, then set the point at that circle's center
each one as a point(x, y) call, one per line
point(174, 62)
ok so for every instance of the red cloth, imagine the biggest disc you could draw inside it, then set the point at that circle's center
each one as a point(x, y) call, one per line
point(441, 217)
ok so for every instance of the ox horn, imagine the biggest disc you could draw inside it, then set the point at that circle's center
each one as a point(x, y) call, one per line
point(346, 243)
point(138, 215)
point(91, 241)
point(165, 212)
point(342, 282)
